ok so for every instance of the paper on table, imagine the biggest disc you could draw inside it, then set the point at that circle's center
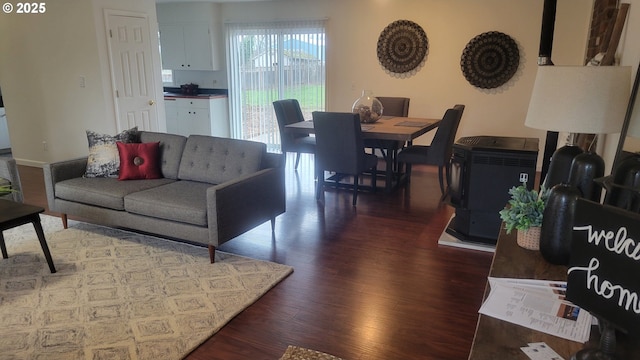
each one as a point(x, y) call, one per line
point(540, 351)
point(557, 289)
point(537, 311)
point(412, 123)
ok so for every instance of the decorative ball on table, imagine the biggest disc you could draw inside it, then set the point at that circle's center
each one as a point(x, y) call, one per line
point(368, 107)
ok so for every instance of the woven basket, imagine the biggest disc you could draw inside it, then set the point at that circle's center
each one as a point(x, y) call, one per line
point(530, 238)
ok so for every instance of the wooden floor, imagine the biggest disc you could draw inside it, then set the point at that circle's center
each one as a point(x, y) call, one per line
point(369, 282)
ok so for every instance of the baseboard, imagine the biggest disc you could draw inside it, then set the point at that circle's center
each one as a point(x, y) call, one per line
point(31, 163)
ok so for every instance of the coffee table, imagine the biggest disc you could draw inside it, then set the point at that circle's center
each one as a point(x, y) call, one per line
point(14, 214)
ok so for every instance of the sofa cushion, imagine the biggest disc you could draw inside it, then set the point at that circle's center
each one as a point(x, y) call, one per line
point(217, 160)
point(103, 192)
point(103, 160)
point(171, 147)
point(139, 161)
point(183, 201)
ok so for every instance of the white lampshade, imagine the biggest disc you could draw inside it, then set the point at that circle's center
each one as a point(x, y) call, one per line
point(579, 99)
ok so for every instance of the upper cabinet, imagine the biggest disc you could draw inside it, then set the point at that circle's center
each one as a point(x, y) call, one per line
point(188, 47)
point(191, 36)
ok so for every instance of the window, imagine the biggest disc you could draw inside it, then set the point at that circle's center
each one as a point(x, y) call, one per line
point(269, 62)
point(167, 77)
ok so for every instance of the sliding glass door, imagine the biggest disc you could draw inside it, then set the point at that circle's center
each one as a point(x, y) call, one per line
point(268, 62)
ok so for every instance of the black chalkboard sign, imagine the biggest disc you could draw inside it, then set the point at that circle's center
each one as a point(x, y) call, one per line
point(604, 269)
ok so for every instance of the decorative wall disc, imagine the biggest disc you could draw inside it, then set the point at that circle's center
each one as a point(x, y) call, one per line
point(490, 59)
point(402, 47)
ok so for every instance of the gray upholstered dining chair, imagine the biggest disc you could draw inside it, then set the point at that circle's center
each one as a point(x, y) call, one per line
point(394, 106)
point(340, 149)
point(439, 152)
point(9, 176)
point(288, 112)
point(391, 106)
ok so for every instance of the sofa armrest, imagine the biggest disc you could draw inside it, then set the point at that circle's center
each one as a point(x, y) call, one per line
point(273, 160)
point(237, 206)
point(60, 171)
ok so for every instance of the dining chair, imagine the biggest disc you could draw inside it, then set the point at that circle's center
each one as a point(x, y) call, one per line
point(391, 106)
point(394, 106)
point(340, 149)
point(288, 112)
point(439, 152)
point(9, 176)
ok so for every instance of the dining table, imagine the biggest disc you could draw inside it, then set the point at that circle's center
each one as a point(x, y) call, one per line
point(403, 129)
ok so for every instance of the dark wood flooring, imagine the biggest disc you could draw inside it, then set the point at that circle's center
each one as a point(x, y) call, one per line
point(369, 282)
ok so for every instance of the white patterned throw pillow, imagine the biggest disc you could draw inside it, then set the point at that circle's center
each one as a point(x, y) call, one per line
point(104, 159)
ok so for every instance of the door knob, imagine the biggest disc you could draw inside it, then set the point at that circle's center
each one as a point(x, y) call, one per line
point(151, 102)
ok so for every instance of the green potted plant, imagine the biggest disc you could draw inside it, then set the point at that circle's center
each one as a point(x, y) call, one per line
point(524, 213)
point(6, 190)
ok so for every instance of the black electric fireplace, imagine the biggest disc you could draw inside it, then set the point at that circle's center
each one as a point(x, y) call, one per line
point(483, 169)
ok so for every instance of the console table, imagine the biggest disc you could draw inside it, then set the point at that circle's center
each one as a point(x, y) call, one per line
point(497, 339)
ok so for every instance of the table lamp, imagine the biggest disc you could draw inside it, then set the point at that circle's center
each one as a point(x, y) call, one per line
point(578, 99)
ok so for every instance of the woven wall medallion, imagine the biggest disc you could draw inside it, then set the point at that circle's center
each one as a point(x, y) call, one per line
point(490, 59)
point(402, 48)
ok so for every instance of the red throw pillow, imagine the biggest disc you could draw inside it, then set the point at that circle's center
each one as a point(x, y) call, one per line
point(139, 161)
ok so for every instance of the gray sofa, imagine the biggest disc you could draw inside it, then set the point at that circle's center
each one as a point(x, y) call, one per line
point(213, 189)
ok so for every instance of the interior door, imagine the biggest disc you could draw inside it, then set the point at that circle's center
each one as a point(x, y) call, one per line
point(132, 71)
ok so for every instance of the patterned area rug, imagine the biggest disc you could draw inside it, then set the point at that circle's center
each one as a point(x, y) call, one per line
point(118, 295)
point(298, 353)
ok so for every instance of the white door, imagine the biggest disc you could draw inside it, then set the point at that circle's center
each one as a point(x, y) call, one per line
point(132, 72)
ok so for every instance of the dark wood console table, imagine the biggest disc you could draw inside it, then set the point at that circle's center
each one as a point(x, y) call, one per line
point(497, 339)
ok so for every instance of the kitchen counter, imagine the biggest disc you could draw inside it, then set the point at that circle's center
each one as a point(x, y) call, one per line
point(170, 95)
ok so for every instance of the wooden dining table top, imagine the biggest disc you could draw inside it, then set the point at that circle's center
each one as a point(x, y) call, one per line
point(387, 128)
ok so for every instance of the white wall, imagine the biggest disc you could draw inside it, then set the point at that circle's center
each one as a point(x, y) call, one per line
point(42, 58)
point(353, 28)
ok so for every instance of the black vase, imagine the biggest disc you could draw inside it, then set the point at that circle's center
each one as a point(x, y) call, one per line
point(560, 165)
point(584, 169)
point(557, 223)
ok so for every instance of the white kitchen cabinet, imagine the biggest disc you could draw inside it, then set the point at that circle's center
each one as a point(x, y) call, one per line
point(198, 116)
point(193, 118)
point(171, 112)
point(220, 117)
point(188, 47)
